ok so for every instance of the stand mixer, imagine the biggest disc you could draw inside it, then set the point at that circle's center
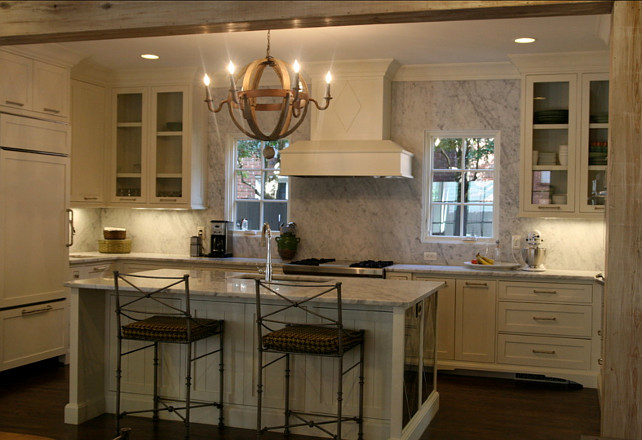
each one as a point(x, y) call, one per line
point(533, 254)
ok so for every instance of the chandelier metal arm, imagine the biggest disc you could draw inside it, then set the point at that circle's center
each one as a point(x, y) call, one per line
point(327, 103)
point(210, 105)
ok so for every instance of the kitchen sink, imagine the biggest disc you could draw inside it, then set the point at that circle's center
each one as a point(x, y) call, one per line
point(282, 277)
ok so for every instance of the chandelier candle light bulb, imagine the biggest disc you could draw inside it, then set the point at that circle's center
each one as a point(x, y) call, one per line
point(328, 80)
point(206, 81)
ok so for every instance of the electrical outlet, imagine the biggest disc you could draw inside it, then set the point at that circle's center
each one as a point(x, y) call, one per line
point(430, 256)
point(517, 241)
point(200, 231)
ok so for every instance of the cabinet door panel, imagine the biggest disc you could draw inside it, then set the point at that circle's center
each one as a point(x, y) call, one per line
point(50, 89)
point(15, 87)
point(33, 227)
point(475, 317)
point(445, 317)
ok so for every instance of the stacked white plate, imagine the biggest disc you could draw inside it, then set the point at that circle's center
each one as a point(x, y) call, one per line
point(547, 158)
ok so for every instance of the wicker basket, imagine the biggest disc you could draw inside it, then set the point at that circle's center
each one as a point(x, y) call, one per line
point(115, 246)
point(114, 234)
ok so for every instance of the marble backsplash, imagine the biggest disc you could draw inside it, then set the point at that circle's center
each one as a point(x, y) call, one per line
point(366, 218)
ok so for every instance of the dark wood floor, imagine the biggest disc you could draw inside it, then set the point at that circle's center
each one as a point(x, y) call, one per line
point(32, 400)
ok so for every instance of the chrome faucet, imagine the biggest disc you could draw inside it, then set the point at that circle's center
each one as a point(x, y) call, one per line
point(267, 232)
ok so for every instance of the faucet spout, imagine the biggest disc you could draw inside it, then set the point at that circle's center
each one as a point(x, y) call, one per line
point(266, 235)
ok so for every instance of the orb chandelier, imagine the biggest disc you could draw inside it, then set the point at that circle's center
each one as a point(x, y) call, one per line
point(291, 100)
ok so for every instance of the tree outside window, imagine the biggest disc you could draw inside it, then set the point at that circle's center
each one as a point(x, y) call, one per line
point(260, 193)
point(462, 184)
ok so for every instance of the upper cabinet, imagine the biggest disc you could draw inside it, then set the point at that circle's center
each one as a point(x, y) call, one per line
point(564, 150)
point(30, 87)
point(158, 148)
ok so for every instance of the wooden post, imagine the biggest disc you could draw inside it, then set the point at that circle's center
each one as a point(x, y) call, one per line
point(622, 394)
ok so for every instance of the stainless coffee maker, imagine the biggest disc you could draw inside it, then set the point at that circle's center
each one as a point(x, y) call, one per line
point(221, 238)
point(533, 254)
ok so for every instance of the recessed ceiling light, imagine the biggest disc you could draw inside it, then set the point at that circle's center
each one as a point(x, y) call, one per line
point(524, 40)
point(149, 56)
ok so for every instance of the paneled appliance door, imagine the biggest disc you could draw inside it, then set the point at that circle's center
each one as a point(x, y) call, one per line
point(34, 222)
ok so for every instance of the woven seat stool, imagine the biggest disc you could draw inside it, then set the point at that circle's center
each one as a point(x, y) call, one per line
point(156, 310)
point(308, 330)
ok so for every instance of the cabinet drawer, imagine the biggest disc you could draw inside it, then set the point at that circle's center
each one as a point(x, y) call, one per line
point(32, 333)
point(545, 292)
point(540, 351)
point(544, 319)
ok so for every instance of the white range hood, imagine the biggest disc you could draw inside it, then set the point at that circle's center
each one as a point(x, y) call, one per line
point(351, 137)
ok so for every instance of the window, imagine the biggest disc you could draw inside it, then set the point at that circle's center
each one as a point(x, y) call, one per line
point(257, 191)
point(460, 196)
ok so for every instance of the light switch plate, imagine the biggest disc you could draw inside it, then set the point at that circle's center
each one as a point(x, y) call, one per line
point(430, 256)
point(516, 239)
point(200, 231)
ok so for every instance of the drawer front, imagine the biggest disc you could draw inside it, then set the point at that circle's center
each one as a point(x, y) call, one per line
point(545, 292)
point(540, 351)
point(33, 333)
point(544, 319)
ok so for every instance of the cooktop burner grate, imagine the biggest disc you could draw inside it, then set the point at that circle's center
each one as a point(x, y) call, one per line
point(373, 264)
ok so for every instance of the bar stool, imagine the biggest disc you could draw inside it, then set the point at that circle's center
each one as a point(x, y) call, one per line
point(156, 309)
point(316, 332)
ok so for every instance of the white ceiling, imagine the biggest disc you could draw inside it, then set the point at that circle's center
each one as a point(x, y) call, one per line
point(413, 43)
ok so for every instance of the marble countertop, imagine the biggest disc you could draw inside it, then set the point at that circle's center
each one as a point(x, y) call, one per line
point(466, 271)
point(456, 271)
point(358, 291)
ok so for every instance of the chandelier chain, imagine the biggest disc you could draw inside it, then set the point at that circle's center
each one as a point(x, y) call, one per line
point(267, 52)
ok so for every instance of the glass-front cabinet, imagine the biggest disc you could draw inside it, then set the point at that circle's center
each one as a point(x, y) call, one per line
point(155, 155)
point(594, 143)
point(565, 130)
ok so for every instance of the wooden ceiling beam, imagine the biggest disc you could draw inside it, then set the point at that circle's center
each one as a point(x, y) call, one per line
point(27, 22)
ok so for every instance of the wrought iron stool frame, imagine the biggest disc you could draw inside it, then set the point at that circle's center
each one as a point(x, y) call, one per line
point(343, 342)
point(191, 331)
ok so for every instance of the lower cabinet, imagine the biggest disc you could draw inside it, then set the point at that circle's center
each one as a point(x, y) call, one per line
point(518, 326)
point(475, 320)
point(33, 333)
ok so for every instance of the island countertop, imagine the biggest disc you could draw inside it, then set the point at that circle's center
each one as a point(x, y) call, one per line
point(358, 291)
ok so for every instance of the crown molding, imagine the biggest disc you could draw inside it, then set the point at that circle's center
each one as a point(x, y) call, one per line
point(597, 61)
point(157, 77)
point(457, 72)
point(49, 53)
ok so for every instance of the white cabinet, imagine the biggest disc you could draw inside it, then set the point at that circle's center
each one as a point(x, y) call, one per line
point(546, 325)
point(594, 143)
point(564, 145)
point(475, 320)
point(445, 316)
point(31, 87)
point(88, 140)
point(158, 151)
point(512, 325)
point(32, 333)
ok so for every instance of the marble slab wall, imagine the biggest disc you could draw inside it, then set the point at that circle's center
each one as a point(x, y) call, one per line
point(357, 218)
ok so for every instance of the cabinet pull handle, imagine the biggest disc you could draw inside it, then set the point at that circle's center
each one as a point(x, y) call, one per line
point(51, 110)
point(90, 198)
point(548, 207)
point(544, 318)
point(469, 283)
point(166, 200)
point(20, 104)
point(543, 351)
point(35, 311)
point(127, 199)
point(71, 228)
point(552, 292)
point(599, 208)
point(99, 269)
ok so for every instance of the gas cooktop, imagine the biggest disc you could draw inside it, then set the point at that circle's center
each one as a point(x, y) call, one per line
point(329, 266)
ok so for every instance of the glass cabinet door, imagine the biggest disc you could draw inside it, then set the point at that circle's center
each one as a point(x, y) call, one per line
point(594, 143)
point(130, 140)
point(168, 181)
point(550, 143)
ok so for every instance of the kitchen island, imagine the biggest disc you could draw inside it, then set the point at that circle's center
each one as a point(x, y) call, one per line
point(386, 309)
